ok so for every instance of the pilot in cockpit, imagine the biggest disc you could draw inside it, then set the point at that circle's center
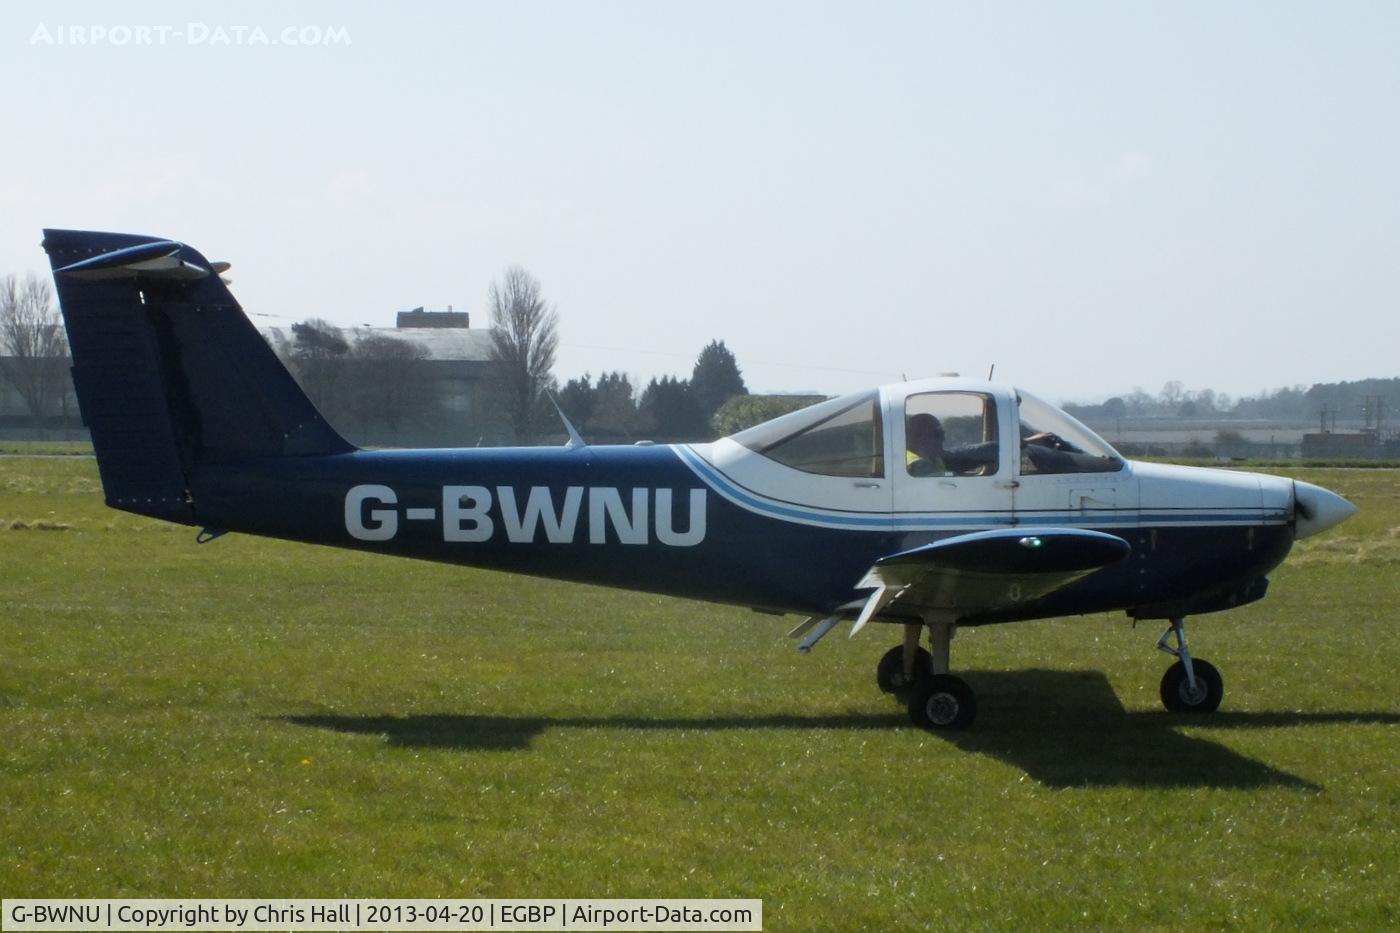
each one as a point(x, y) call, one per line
point(928, 457)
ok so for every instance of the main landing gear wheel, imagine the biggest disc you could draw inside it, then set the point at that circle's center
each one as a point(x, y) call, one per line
point(889, 673)
point(942, 702)
point(1178, 696)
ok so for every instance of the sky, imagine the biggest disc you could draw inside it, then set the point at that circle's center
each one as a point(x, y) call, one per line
point(1090, 196)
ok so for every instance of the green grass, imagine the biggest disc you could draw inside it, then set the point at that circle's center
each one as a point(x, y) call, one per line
point(46, 448)
point(256, 719)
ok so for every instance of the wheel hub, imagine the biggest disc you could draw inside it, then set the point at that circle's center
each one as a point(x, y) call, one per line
point(942, 708)
point(1190, 696)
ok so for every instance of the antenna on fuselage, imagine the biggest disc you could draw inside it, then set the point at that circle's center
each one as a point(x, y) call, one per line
point(990, 371)
point(575, 440)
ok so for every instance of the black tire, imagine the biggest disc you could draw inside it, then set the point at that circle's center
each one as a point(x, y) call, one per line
point(942, 702)
point(889, 673)
point(1177, 696)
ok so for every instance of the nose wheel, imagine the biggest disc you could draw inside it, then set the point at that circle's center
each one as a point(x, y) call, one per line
point(1191, 685)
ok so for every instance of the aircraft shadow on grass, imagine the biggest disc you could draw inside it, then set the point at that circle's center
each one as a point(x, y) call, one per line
point(1063, 728)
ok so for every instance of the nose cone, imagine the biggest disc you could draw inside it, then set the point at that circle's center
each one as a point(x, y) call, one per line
point(1317, 509)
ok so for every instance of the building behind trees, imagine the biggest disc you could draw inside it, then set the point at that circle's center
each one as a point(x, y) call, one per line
point(427, 382)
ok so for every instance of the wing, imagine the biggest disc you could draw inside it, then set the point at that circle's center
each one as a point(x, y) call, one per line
point(985, 571)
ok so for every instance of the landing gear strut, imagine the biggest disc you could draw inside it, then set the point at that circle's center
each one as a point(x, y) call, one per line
point(937, 699)
point(1191, 685)
point(904, 665)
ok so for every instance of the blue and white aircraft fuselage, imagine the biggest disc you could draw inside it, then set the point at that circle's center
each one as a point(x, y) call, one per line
point(931, 504)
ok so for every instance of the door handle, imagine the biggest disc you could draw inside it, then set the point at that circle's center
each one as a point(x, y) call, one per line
point(866, 485)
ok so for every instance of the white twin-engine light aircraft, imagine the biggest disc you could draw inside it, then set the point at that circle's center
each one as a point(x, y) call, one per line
point(929, 505)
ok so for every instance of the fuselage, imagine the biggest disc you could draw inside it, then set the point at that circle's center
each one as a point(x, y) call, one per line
point(790, 515)
point(672, 519)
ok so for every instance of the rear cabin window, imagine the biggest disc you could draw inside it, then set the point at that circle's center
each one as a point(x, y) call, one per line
point(839, 437)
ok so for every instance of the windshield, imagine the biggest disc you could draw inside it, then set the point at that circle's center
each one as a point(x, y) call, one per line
point(839, 437)
point(1054, 442)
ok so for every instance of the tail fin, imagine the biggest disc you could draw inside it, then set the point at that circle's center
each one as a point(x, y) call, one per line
point(170, 373)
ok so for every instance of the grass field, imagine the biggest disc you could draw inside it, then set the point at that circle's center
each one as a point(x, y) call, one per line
point(255, 719)
point(45, 448)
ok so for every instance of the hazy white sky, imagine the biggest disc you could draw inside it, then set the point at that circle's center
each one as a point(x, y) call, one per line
point(1094, 196)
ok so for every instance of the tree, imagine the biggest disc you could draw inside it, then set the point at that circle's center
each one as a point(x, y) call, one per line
point(605, 409)
point(716, 378)
point(33, 345)
point(319, 352)
point(745, 411)
point(1232, 444)
point(1139, 402)
point(668, 409)
point(524, 337)
point(614, 406)
point(391, 382)
point(576, 399)
point(1195, 450)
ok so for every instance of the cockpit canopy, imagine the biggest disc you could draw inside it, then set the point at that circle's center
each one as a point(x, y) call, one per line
point(846, 436)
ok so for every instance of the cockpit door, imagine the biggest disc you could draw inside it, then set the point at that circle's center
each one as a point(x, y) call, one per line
point(950, 468)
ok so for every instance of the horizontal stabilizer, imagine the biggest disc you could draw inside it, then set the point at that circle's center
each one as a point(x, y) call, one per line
point(158, 260)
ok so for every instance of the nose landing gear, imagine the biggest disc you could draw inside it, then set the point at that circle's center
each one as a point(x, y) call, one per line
point(1191, 685)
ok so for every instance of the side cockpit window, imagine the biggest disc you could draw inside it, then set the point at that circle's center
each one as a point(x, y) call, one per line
point(950, 434)
point(839, 437)
point(1054, 442)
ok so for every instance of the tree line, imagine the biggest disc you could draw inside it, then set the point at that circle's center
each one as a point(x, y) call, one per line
point(524, 344)
point(1351, 401)
point(34, 348)
point(668, 408)
point(380, 383)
